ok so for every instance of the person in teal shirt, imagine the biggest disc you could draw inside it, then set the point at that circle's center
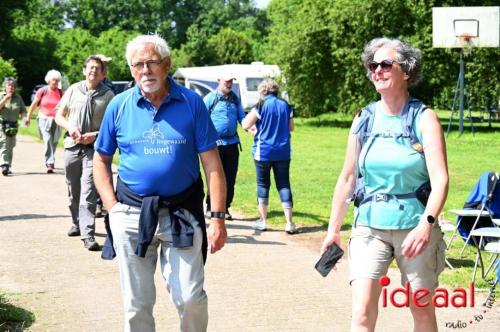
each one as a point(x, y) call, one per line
point(400, 151)
point(11, 108)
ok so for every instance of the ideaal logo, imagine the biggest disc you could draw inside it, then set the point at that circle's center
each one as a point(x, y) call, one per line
point(442, 298)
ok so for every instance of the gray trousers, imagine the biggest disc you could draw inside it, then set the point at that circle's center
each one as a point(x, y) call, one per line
point(82, 193)
point(50, 132)
point(7, 144)
point(182, 269)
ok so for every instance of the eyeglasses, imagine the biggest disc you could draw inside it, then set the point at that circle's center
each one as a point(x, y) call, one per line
point(150, 64)
point(386, 65)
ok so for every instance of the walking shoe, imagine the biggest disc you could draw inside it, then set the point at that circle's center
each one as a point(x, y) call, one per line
point(290, 228)
point(259, 225)
point(98, 211)
point(208, 214)
point(90, 244)
point(74, 231)
point(228, 215)
point(5, 170)
point(50, 168)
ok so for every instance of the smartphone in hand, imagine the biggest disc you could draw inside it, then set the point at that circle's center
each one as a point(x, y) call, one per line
point(328, 260)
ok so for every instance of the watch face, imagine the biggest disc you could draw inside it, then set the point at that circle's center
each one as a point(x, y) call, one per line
point(430, 219)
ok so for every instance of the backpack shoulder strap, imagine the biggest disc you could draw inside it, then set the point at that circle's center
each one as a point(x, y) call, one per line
point(215, 100)
point(364, 126)
point(412, 109)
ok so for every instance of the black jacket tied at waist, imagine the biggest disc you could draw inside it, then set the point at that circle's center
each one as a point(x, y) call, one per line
point(190, 199)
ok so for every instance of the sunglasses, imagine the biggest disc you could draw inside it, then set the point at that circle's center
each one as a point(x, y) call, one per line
point(386, 65)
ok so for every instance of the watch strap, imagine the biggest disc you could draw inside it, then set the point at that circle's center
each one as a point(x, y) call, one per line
point(217, 215)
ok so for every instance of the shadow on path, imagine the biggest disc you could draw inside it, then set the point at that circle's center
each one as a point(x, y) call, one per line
point(246, 239)
point(29, 216)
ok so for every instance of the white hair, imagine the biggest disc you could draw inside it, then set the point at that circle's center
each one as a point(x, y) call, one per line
point(53, 75)
point(160, 45)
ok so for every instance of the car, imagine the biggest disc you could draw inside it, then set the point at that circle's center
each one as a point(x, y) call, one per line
point(121, 86)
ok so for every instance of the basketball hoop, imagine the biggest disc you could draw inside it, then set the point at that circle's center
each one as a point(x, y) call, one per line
point(467, 42)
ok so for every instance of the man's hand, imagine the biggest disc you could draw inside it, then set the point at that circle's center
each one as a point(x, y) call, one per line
point(217, 235)
point(87, 138)
point(8, 95)
point(417, 240)
point(74, 133)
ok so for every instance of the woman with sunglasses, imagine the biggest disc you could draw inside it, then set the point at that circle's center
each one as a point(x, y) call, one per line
point(386, 169)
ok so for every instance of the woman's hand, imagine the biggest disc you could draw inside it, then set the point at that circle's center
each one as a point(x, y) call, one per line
point(331, 237)
point(417, 240)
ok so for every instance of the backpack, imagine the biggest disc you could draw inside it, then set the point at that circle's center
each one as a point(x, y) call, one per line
point(45, 89)
point(233, 99)
point(363, 128)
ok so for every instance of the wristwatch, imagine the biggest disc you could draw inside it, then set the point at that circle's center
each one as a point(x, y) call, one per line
point(217, 215)
point(431, 219)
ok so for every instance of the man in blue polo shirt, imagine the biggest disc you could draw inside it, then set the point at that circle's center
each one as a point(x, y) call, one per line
point(161, 129)
point(226, 111)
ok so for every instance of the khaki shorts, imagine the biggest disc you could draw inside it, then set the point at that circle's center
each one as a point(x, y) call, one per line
point(371, 251)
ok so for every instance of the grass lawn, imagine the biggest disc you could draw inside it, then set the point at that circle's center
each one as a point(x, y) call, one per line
point(318, 152)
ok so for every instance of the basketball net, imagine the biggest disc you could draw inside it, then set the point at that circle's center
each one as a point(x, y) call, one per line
point(467, 42)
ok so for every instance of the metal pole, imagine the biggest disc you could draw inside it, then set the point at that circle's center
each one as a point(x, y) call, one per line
point(462, 86)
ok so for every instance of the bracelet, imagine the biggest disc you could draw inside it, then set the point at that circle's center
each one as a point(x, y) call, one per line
point(217, 215)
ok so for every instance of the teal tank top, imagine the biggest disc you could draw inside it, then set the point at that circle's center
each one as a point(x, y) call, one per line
point(391, 166)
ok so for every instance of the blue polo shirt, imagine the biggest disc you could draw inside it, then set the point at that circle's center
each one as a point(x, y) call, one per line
point(225, 115)
point(272, 141)
point(158, 149)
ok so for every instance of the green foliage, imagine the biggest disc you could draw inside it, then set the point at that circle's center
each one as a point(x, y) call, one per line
point(170, 18)
point(112, 43)
point(13, 318)
point(318, 46)
point(31, 47)
point(7, 68)
point(229, 46)
point(74, 46)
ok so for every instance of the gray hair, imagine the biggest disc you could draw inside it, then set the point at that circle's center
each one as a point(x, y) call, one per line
point(268, 86)
point(160, 45)
point(53, 75)
point(409, 58)
point(9, 80)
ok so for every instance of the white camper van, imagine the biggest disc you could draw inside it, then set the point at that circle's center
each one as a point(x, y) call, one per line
point(247, 77)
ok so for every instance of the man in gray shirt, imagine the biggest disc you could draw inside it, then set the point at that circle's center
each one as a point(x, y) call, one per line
point(80, 112)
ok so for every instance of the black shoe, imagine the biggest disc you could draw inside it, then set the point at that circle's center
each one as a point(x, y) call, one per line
point(98, 212)
point(91, 244)
point(74, 231)
point(228, 215)
point(5, 170)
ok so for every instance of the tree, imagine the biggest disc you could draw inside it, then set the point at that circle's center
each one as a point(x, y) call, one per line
point(318, 46)
point(32, 48)
point(7, 68)
point(229, 46)
point(112, 43)
point(170, 18)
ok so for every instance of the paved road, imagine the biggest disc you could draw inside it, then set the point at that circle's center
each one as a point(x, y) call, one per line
point(258, 282)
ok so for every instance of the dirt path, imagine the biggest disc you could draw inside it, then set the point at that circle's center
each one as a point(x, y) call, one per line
point(258, 282)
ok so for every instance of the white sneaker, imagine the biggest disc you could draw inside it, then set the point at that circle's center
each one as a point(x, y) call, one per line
point(259, 225)
point(290, 228)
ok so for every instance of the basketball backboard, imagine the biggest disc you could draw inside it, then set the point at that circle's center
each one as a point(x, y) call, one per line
point(481, 25)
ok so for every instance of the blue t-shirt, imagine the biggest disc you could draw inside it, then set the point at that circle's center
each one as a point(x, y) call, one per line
point(272, 141)
point(392, 166)
point(225, 115)
point(158, 149)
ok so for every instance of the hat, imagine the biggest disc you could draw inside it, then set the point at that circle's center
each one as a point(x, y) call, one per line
point(226, 76)
point(103, 58)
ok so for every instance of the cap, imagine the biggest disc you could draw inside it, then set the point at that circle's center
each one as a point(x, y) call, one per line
point(226, 76)
point(103, 57)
